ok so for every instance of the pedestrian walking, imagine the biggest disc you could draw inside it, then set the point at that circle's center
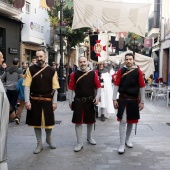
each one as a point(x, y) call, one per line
point(4, 118)
point(41, 86)
point(83, 82)
point(130, 84)
point(21, 98)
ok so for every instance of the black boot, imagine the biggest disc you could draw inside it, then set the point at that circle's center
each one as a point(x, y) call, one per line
point(102, 118)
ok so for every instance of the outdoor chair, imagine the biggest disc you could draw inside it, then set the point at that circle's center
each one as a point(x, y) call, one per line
point(158, 93)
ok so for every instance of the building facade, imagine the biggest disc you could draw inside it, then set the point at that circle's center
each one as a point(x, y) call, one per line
point(165, 41)
point(154, 34)
point(10, 31)
point(36, 28)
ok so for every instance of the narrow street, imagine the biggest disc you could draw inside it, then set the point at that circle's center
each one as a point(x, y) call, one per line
point(151, 144)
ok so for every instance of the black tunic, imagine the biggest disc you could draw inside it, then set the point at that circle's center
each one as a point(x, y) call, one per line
point(84, 111)
point(41, 85)
point(129, 92)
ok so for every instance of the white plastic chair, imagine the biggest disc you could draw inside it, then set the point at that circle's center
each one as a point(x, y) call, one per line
point(158, 93)
point(148, 91)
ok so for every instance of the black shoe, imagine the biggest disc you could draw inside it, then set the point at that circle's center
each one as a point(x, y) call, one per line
point(102, 118)
point(17, 120)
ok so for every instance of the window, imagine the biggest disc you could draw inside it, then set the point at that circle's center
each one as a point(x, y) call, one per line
point(27, 6)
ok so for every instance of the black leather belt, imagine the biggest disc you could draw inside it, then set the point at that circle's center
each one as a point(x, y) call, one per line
point(125, 96)
point(85, 99)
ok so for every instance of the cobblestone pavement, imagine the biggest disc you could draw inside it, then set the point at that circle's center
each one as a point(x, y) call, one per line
point(151, 144)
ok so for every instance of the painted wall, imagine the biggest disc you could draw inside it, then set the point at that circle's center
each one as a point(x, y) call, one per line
point(36, 27)
point(12, 38)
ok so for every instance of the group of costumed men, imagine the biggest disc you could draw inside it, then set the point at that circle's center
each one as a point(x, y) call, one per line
point(84, 92)
point(128, 83)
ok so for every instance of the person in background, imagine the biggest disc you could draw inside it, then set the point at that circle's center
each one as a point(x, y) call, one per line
point(3, 68)
point(146, 81)
point(150, 79)
point(4, 118)
point(25, 65)
point(130, 84)
point(10, 79)
point(74, 67)
point(33, 61)
point(55, 66)
point(21, 98)
point(40, 91)
point(83, 82)
point(106, 66)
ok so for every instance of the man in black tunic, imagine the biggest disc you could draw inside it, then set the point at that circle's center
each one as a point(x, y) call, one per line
point(41, 99)
point(130, 84)
point(84, 83)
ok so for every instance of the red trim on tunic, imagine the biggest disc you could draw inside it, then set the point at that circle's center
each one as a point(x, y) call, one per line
point(129, 121)
point(118, 77)
point(114, 77)
point(71, 85)
point(141, 79)
point(96, 81)
point(83, 120)
point(96, 71)
point(141, 84)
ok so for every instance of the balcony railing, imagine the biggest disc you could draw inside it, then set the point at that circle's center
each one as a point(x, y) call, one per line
point(7, 8)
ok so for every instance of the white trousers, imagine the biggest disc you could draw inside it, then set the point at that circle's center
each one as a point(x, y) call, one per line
point(124, 131)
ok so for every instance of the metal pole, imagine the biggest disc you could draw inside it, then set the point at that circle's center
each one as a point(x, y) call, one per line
point(61, 91)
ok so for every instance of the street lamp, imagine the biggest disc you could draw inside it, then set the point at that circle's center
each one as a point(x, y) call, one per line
point(62, 81)
point(134, 45)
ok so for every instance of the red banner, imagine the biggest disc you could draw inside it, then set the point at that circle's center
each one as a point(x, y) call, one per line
point(148, 43)
point(50, 3)
point(19, 3)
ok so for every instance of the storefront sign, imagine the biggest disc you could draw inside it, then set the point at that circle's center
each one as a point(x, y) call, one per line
point(36, 27)
point(13, 51)
point(148, 43)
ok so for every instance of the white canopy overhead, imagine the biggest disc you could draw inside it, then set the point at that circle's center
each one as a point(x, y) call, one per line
point(145, 63)
point(116, 16)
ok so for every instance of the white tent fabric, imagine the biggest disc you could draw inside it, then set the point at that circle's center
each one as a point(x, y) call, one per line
point(116, 16)
point(145, 63)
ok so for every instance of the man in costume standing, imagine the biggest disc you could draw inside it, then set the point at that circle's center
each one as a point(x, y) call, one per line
point(4, 118)
point(130, 84)
point(41, 86)
point(84, 82)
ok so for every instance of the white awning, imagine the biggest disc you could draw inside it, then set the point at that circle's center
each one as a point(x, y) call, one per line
point(116, 16)
point(145, 63)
